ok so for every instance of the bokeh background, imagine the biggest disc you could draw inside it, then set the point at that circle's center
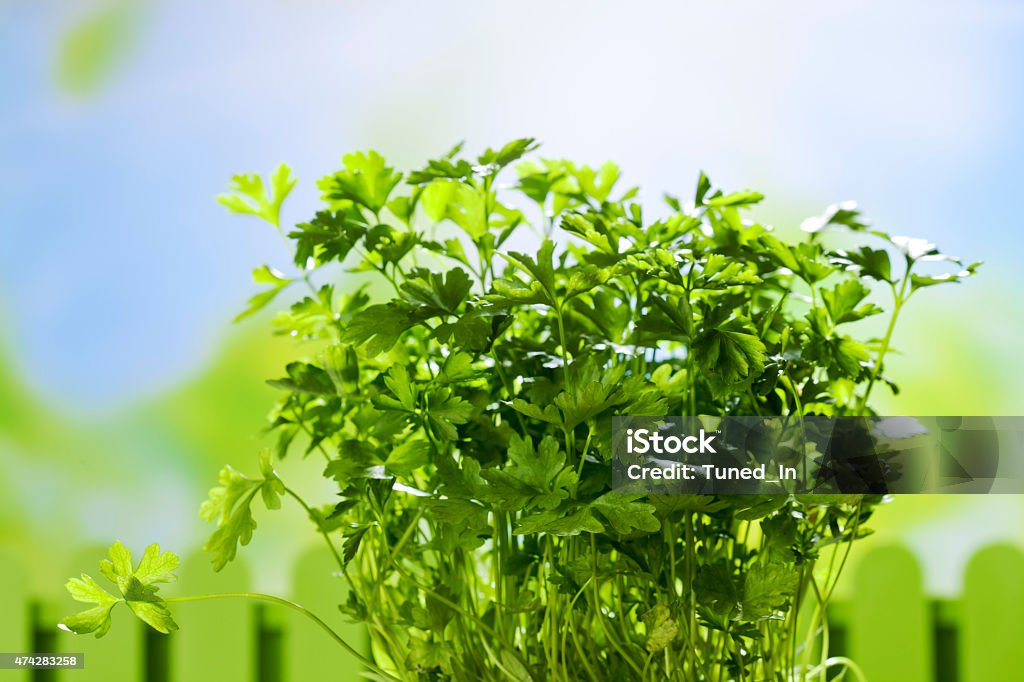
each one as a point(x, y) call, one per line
point(123, 384)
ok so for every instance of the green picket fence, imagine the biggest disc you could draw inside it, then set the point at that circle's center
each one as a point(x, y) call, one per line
point(219, 641)
point(890, 627)
point(896, 634)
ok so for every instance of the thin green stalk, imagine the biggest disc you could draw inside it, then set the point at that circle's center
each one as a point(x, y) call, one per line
point(898, 301)
point(849, 548)
point(583, 455)
point(848, 665)
point(565, 631)
point(409, 530)
point(389, 555)
point(320, 527)
point(295, 607)
point(599, 616)
point(565, 349)
point(305, 429)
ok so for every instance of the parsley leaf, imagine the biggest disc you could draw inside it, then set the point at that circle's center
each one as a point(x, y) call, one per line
point(731, 351)
point(264, 275)
point(248, 194)
point(537, 476)
point(229, 505)
point(365, 180)
point(329, 236)
point(137, 587)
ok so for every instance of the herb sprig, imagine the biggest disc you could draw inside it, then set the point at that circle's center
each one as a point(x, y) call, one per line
point(465, 419)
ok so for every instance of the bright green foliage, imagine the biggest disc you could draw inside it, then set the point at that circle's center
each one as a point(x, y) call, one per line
point(365, 181)
point(249, 194)
point(230, 505)
point(465, 420)
point(136, 585)
point(277, 283)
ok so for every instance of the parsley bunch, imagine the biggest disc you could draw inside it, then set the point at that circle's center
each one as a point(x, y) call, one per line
point(465, 416)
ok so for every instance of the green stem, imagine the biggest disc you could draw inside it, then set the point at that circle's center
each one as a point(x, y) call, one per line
point(691, 549)
point(320, 527)
point(583, 455)
point(846, 663)
point(409, 530)
point(389, 555)
point(849, 547)
point(898, 301)
point(295, 607)
point(600, 617)
point(305, 429)
point(565, 633)
point(565, 350)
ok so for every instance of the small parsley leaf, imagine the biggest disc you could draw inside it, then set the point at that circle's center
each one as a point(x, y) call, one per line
point(136, 585)
point(229, 505)
point(248, 194)
point(365, 180)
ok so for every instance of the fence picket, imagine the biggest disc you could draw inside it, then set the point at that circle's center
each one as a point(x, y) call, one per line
point(890, 628)
point(893, 633)
point(15, 626)
point(993, 614)
point(115, 656)
point(309, 652)
point(217, 638)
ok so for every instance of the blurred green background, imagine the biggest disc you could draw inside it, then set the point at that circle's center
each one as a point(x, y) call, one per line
point(123, 385)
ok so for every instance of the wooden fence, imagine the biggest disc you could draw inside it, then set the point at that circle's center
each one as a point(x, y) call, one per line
point(890, 627)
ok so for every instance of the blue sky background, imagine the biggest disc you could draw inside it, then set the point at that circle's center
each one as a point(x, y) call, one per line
point(117, 270)
point(119, 273)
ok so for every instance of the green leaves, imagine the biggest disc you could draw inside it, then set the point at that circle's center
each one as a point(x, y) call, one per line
point(768, 586)
point(464, 205)
point(845, 213)
point(464, 412)
point(427, 295)
point(248, 194)
point(137, 588)
point(562, 524)
point(405, 394)
point(717, 589)
point(661, 628)
point(513, 151)
point(625, 514)
point(306, 378)
point(535, 477)
point(622, 513)
point(842, 299)
point(378, 327)
point(589, 400)
point(921, 281)
point(277, 283)
point(444, 410)
point(665, 321)
point(440, 294)
point(540, 269)
point(441, 407)
point(488, 164)
point(97, 619)
point(365, 180)
point(873, 263)
point(752, 596)
point(329, 236)
point(230, 505)
point(731, 351)
point(806, 259)
point(744, 198)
